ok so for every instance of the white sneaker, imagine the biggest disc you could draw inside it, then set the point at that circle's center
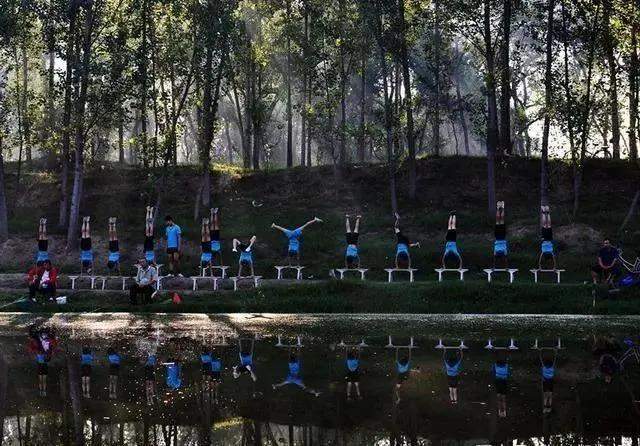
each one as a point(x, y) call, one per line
point(180, 275)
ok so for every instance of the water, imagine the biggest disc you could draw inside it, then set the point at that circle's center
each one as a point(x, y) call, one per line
point(133, 405)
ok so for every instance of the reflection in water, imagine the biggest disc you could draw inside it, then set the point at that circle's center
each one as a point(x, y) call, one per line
point(153, 388)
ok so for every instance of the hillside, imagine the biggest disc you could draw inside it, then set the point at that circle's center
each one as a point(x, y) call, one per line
point(289, 198)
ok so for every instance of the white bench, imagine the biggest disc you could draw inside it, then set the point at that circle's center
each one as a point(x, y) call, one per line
point(299, 269)
point(255, 279)
point(212, 268)
point(460, 271)
point(341, 271)
point(92, 278)
point(106, 278)
point(215, 279)
point(557, 272)
point(511, 271)
point(390, 272)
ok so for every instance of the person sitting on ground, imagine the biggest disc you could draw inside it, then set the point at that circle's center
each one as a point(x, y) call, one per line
point(43, 243)
point(500, 246)
point(44, 280)
point(451, 244)
point(293, 236)
point(86, 251)
point(214, 236)
point(149, 250)
point(548, 372)
point(174, 240)
point(246, 255)
point(205, 246)
point(145, 283)
point(547, 250)
point(608, 267)
point(86, 362)
point(351, 255)
point(403, 258)
point(352, 377)
point(113, 262)
point(452, 363)
point(294, 375)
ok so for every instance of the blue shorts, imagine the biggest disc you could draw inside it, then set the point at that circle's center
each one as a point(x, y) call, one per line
point(352, 251)
point(205, 257)
point(215, 246)
point(451, 248)
point(114, 257)
point(402, 250)
point(547, 247)
point(246, 258)
point(500, 248)
point(42, 256)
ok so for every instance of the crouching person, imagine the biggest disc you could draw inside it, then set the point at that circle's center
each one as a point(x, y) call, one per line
point(145, 283)
point(43, 279)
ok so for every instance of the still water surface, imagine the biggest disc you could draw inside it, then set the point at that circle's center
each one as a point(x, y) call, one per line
point(122, 379)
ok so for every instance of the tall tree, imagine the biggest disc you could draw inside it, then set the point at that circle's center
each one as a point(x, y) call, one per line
point(633, 84)
point(548, 97)
point(410, 134)
point(505, 145)
point(609, 47)
point(492, 108)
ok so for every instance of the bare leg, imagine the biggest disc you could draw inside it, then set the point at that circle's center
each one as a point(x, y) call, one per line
point(357, 228)
point(205, 235)
point(347, 225)
point(149, 222)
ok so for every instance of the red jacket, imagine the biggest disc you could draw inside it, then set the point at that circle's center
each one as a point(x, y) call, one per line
point(37, 271)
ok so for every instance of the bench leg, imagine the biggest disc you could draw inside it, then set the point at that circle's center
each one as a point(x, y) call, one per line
point(558, 274)
point(489, 277)
point(215, 284)
point(93, 282)
point(123, 282)
point(299, 276)
point(73, 284)
point(462, 276)
point(439, 276)
point(362, 275)
point(535, 277)
point(411, 276)
point(341, 274)
point(511, 278)
point(194, 284)
point(235, 285)
point(389, 273)
point(104, 283)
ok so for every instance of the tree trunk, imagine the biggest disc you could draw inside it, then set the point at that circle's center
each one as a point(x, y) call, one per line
point(4, 215)
point(613, 79)
point(548, 96)
point(633, 91)
point(492, 111)
point(76, 401)
point(50, 120)
point(342, 154)
point(143, 65)
point(363, 106)
point(80, 137)
point(435, 127)
point(288, 79)
point(26, 122)
point(120, 135)
point(242, 130)
point(505, 82)
point(305, 92)
point(411, 141)
point(229, 142)
point(66, 118)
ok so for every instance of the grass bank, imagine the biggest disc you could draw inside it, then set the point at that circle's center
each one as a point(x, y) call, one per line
point(472, 297)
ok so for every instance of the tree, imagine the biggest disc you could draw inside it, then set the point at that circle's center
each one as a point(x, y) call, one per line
point(548, 97)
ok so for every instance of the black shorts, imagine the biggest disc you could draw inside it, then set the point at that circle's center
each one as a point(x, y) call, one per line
point(500, 232)
point(402, 255)
point(352, 238)
point(353, 376)
point(172, 251)
point(114, 246)
point(453, 381)
point(402, 239)
point(111, 264)
point(148, 243)
point(352, 260)
point(216, 376)
point(114, 369)
point(501, 386)
point(547, 234)
point(85, 244)
point(87, 263)
point(43, 368)
point(204, 264)
point(205, 246)
point(85, 370)
point(43, 245)
point(243, 368)
point(547, 385)
point(215, 234)
point(205, 368)
point(402, 377)
point(601, 271)
point(452, 235)
point(149, 373)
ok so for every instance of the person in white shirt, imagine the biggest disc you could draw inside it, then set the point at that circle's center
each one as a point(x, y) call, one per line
point(145, 283)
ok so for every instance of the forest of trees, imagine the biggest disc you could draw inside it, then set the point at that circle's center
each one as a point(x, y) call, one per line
point(283, 83)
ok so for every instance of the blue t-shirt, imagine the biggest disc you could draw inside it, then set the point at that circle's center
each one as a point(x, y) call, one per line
point(548, 372)
point(86, 358)
point(501, 372)
point(246, 359)
point(402, 368)
point(42, 256)
point(173, 376)
point(114, 358)
point(86, 255)
point(216, 365)
point(294, 368)
point(173, 235)
point(205, 358)
point(294, 238)
point(114, 256)
point(151, 360)
point(453, 369)
point(353, 364)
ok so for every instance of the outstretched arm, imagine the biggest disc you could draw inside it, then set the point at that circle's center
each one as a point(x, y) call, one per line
point(396, 224)
point(415, 245)
point(236, 242)
point(310, 222)
point(251, 242)
point(279, 228)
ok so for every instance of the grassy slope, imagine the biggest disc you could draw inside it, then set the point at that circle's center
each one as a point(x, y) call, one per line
point(356, 297)
point(291, 197)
